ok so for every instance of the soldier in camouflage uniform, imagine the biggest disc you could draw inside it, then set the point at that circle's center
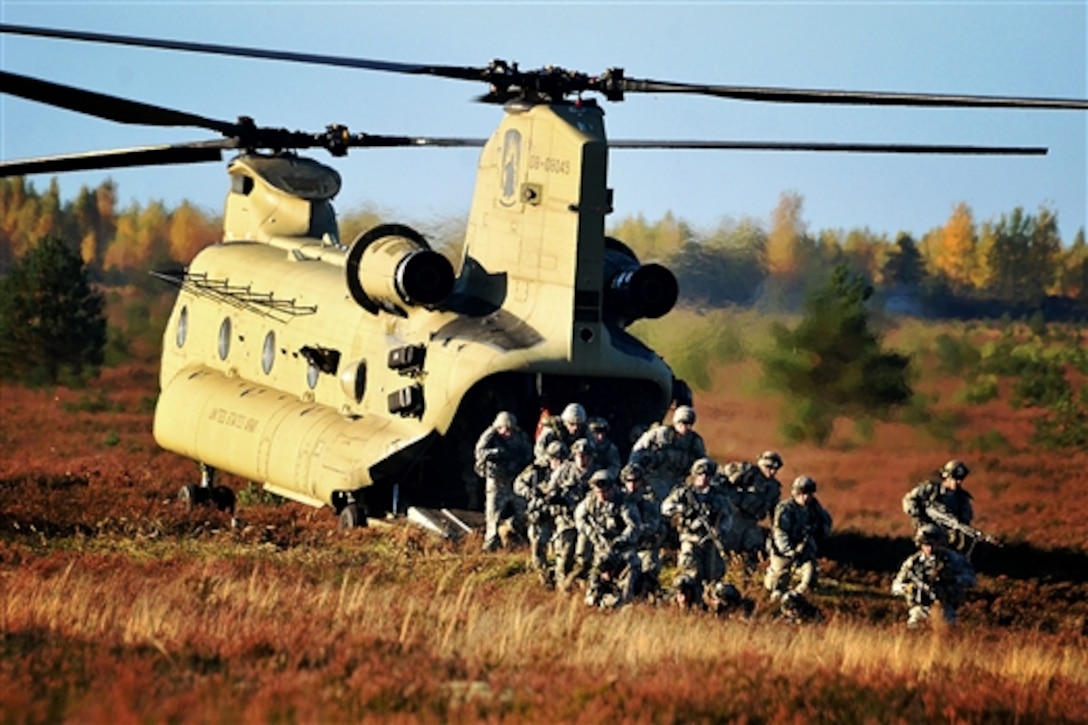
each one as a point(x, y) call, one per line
point(530, 485)
point(569, 427)
point(754, 492)
point(652, 529)
point(501, 452)
point(800, 523)
point(606, 455)
point(946, 500)
point(566, 487)
point(610, 523)
point(667, 452)
point(933, 575)
point(701, 514)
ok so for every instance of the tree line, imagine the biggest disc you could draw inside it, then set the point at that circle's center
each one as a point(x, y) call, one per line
point(1014, 264)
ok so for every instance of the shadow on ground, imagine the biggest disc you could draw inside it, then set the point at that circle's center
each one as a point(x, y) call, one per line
point(884, 554)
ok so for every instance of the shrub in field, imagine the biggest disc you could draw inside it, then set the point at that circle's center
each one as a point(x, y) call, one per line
point(989, 442)
point(1066, 425)
point(956, 356)
point(981, 390)
point(832, 364)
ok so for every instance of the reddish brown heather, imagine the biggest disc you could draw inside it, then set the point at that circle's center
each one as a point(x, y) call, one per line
point(120, 606)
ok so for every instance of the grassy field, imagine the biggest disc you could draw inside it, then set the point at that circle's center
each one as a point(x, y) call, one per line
point(118, 605)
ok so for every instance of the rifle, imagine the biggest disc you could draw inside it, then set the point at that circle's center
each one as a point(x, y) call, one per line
point(942, 516)
point(921, 592)
point(698, 512)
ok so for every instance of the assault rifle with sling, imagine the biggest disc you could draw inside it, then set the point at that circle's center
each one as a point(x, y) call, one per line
point(940, 515)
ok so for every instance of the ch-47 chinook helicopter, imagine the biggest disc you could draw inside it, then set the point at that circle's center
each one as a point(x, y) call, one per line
point(337, 374)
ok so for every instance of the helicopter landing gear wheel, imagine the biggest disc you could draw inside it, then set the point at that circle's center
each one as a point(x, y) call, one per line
point(193, 495)
point(223, 498)
point(352, 516)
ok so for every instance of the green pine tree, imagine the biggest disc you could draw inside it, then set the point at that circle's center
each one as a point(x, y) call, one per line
point(832, 365)
point(52, 327)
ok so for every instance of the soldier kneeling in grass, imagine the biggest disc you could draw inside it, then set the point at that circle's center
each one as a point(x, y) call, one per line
point(933, 576)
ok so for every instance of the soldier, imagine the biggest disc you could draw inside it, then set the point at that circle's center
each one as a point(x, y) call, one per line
point(530, 485)
point(501, 452)
point(945, 503)
point(652, 530)
point(667, 452)
point(701, 514)
point(933, 575)
point(610, 524)
point(754, 492)
point(570, 426)
point(799, 524)
point(606, 454)
point(566, 487)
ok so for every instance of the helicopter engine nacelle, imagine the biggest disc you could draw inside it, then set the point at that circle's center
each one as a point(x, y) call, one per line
point(392, 265)
point(634, 291)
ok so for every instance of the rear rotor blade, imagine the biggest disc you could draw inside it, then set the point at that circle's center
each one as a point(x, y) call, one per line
point(111, 108)
point(864, 148)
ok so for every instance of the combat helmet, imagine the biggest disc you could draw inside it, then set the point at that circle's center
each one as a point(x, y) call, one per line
point(556, 450)
point(771, 459)
point(573, 414)
point(600, 479)
point(632, 472)
point(505, 419)
point(955, 469)
point(684, 414)
point(598, 425)
point(703, 465)
point(581, 446)
point(928, 534)
point(803, 484)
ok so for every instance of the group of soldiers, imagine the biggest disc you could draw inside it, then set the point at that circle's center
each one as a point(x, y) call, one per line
point(570, 494)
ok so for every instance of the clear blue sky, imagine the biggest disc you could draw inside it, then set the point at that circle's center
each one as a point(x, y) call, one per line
point(996, 48)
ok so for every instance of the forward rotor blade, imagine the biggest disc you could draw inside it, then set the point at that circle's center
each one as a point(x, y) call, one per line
point(442, 71)
point(101, 105)
point(863, 148)
point(508, 81)
point(118, 158)
point(858, 98)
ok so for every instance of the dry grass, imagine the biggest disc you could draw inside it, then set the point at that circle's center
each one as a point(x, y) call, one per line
point(220, 615)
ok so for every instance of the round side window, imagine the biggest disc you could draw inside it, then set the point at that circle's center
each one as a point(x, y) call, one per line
point(268, 352)
point(224, 338)
point(183, 326)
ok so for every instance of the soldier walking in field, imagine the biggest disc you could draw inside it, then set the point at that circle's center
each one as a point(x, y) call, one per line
point(800, 523)
point(947, 504)
point(701, 514)
point(610, 524)
point(569, 427)
point(501, 452)
point(652, 526)
point(667, 452)
point(754, 492)
point(931, 576)
point(606, 455)
point(566, 487)
point(531, 484)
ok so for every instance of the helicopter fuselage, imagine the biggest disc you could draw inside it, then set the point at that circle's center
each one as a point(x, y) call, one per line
point(322, 370)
